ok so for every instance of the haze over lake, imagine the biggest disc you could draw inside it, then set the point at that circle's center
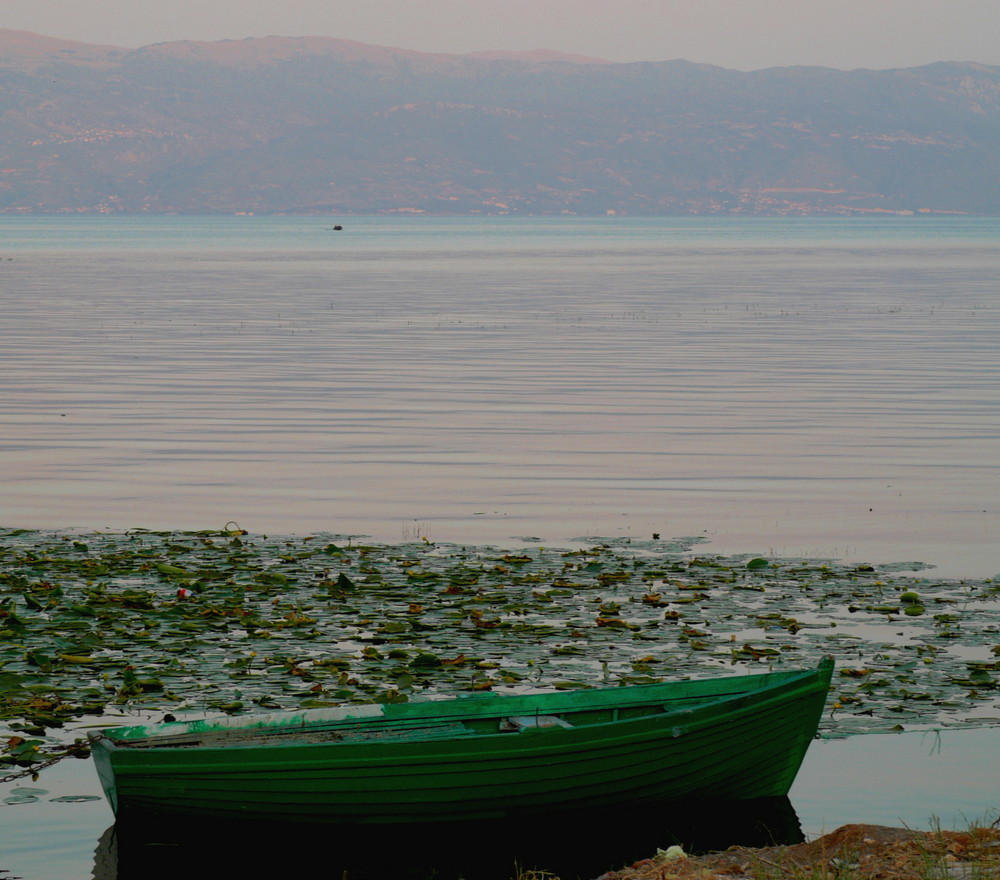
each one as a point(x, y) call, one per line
point(797, 387)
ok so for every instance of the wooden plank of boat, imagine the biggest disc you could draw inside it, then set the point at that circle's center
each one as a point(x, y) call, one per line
point(477, 756)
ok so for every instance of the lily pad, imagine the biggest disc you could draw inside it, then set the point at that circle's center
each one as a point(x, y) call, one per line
point(265, 623)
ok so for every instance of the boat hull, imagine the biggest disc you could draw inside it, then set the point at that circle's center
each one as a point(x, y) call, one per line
point(747, 741)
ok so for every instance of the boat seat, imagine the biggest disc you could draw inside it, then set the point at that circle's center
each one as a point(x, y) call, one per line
point(520, 723)
point(447, 730)
point(299, 736)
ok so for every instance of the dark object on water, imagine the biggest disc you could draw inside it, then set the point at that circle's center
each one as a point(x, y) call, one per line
point(572, 844)
point(475, 757)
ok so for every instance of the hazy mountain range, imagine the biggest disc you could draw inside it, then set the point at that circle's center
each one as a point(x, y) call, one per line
point(309, 124)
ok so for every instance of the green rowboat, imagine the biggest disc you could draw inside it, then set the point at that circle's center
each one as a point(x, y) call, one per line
point(475, 757)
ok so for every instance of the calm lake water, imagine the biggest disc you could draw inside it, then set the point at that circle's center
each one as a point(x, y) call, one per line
point(797, 387)
point(793, 387)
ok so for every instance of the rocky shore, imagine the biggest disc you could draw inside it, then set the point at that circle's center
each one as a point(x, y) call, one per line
point(872, 852)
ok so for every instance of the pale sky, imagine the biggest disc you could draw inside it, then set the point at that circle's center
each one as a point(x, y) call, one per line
point(742, 34)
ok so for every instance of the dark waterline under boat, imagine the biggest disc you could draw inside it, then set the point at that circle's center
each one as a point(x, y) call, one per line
point(565, 844)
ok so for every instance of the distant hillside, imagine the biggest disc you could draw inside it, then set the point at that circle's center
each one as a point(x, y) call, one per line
point(310, 124)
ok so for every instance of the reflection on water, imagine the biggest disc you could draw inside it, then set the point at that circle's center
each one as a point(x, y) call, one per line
point(827, 389)
point(917, 780)
point(569, 845)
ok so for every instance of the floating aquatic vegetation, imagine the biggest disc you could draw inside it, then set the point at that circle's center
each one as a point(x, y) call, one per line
point(152, 622)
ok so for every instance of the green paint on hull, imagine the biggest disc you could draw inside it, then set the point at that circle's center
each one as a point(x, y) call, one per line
point(729, 738)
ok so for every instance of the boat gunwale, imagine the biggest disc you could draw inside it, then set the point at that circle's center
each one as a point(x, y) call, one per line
point(374, 729)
